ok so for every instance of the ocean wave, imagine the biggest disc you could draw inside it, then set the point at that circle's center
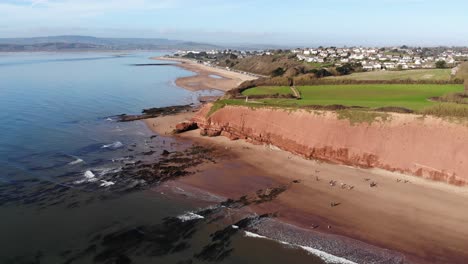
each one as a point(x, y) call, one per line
point(96, 173)
point(189, 216)
point(114, 145)
point(105, 183)
point(89, 176)
point(328, 258)
point(77, 161)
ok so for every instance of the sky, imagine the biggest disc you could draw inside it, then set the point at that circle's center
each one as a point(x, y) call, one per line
point(292, 22)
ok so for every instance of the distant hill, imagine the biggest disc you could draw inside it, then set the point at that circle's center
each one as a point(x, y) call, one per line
point(60, 43)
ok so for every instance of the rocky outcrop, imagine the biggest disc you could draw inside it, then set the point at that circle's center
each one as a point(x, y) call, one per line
point(428, 147)
point(185, 126)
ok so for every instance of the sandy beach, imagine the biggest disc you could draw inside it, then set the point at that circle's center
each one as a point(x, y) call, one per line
point(206, 77)
point(393, 215)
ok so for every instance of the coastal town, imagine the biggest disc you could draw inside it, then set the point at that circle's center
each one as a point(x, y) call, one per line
point(369, 58)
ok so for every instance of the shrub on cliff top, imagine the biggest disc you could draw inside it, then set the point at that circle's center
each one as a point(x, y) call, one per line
point(447, 110)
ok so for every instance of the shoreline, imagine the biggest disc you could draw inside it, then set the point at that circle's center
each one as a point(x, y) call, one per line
point(375, 216)
point(204, 76)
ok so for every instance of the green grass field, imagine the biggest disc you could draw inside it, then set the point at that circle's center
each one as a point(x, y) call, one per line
point(410, 96)
point(425, 74)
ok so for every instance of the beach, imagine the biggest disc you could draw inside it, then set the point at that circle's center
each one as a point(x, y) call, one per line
point(394, 215)
point(334, 199)
point(206, 77)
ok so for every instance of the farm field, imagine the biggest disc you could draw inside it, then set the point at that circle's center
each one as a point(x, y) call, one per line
point(411, 96)
point(424, 74)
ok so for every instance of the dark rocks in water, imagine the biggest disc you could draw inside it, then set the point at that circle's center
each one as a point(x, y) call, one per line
point(153, 136)
point(155, 112)
point(185, 126)
point(269, 194)
point(169, 237)
point(220, 247)
point(215, 252)
point(168, 110)
point(174, 234)
point(149, 153)
point(168, 166)
point(261, 196)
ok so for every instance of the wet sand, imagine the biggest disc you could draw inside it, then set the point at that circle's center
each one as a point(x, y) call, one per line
point(424, 220)
point(207, 78)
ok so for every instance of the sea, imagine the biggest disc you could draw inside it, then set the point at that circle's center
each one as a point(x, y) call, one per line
point(60, 139)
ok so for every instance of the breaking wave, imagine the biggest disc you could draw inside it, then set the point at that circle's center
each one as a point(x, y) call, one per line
point(189, 216)
point(328, 258)
point(77, 161)
point(105, 183)
point(114, 145)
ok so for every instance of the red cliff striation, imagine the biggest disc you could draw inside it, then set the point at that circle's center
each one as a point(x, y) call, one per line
point(423, 146)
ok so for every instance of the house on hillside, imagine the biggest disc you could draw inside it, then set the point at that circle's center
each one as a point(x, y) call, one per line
point(389, 65)
point(368, 67)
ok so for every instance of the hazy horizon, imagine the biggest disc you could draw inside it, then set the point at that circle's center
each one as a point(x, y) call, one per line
point(295, 23)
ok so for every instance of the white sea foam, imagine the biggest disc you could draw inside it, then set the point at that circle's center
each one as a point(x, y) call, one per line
point(114, 145)
point(328, 258)
point(189, 216)
point(106, 183)
point(88, 177)
point(103, 171)
point(250, 234)
point(77, 161)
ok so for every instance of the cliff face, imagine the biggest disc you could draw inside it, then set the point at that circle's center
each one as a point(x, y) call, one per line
point(427, 147)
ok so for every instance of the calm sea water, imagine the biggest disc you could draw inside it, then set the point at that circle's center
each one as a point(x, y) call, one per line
point(56, 126)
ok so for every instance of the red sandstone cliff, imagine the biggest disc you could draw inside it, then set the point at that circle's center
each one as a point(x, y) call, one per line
point(428, 147)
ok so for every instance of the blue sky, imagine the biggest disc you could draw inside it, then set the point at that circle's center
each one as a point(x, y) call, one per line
point(293, 22)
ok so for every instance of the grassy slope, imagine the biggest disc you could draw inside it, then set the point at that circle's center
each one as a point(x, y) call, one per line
point(425, 74)
point(413, 97)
